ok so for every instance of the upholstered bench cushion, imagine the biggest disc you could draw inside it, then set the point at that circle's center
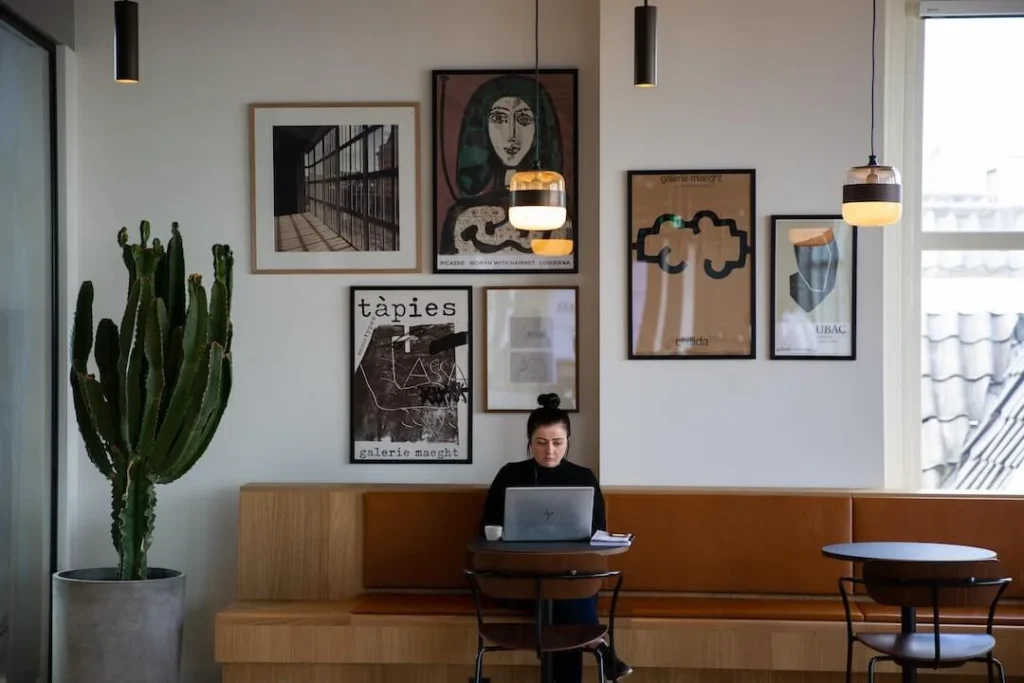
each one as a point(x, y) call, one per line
point(441, 604)
point(777, 609)
point(1006, 615)
point(780, 609)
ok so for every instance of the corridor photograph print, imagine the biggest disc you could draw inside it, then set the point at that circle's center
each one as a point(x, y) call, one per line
point(411, 375)
point(691, 264)
point(335, 188)
point(813, 288)
point(487, 125)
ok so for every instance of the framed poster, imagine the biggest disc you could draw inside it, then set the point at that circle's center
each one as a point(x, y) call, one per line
point(691, 264)
point(813, 288)
point(335, 187)
point(487, 126)
point(412, 374)
point(531, 348)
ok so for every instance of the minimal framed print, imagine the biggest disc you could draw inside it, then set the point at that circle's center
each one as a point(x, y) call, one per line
point(813, 288)
point(691, 264)
point(532, 347)
point(335, 187)
point(411, 375)
point(488, 124)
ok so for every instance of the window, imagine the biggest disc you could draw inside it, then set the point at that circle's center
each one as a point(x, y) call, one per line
point(965, 172)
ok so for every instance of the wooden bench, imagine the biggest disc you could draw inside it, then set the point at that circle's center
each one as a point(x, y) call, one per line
point(350, 582)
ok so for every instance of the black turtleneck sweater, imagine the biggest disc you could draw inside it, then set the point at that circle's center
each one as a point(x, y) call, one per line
point(529, 473)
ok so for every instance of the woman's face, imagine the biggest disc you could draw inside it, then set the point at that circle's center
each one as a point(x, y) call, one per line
point(511, 128)
point(548, 444)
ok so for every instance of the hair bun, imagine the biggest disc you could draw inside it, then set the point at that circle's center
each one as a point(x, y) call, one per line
point(549, 400)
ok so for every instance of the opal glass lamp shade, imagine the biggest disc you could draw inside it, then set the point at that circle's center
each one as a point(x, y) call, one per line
point(872, 196)
point(537, 200)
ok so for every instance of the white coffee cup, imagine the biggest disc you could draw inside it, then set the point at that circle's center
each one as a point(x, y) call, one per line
point(492, 533)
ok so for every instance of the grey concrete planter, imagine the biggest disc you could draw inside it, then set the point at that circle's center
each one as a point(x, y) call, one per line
point(108, 631)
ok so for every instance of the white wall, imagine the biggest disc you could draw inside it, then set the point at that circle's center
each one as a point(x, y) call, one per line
point(780, 87)
point(175, 147)
point(55, 18)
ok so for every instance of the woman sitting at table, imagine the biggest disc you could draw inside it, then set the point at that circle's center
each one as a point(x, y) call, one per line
point(548, 431)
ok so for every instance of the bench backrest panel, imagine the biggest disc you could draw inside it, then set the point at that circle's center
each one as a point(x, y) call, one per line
point(994, 523)
point(731, 542)
point(417, 538)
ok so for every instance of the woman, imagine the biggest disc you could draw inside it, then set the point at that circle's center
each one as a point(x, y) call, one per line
point(548, 431)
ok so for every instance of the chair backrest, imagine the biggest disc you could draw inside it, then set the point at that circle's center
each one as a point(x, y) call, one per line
point(935, 584)
point(556, 576)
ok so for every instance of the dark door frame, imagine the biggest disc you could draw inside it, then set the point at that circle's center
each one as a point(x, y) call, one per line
point(9, 17)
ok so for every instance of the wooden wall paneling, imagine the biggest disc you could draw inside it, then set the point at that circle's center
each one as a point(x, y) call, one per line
point(345, 555)
point(283, 543)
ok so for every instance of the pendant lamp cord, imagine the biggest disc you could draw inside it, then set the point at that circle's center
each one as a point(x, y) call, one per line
point(536, 84)
point(874, 21)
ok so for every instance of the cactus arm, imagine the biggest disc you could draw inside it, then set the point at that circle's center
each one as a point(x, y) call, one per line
point(106, 355)
point(132, 391)
point(81, 332)
point(87, 425)
point(211, 425)
point(156, 326)
point(101, 419)
point(175, 261)
point(126, 256)
point(81, 344)
point(194, 345)
point(124, 345)
point(186, 450)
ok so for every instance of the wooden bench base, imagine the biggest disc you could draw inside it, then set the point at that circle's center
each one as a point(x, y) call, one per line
point(330, 633)
point(418, 673)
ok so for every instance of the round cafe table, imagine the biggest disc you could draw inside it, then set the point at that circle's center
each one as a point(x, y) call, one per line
point(499, 548)
point(906, 551)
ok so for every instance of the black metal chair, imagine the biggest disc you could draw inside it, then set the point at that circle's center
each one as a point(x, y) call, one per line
point(540, 635)
point(933, 585)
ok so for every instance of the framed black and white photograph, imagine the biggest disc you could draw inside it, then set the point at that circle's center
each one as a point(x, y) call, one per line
point(813, 288)
point(412, 375)
point(532, 347)
point(335, 187)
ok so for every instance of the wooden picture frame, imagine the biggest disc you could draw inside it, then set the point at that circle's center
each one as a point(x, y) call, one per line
point(531, 347)
point(813, 288)
point(411, 381)
point(691, 264)
point(335, 187)
point(484, 129)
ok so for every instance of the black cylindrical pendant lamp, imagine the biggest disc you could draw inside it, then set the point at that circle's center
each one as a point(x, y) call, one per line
point(645, 46)
point(126, 41)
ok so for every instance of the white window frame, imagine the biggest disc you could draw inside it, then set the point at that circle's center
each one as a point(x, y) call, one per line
point(902, 104)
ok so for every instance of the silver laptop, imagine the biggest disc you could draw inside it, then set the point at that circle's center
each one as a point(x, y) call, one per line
point(548, 513)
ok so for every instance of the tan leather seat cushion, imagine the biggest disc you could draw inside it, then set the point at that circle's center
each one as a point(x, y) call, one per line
point(418, 538)
point(731, 542)
point(1006, 615)
point(990, 523)
point(782, 609)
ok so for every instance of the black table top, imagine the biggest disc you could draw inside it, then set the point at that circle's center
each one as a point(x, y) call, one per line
point(564, 547)
point(906, 551)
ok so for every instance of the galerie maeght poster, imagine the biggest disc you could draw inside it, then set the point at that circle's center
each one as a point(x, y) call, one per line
point(691, 264)
point(488, 124)
point(814, 285)
point(411, 375)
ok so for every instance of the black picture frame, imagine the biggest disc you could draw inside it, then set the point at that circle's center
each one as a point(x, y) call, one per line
point(442, 383)
point(442, 172)
point(774, 226)
point(747, 250)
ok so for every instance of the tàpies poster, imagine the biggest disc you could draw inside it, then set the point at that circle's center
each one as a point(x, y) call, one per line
point(411, 385)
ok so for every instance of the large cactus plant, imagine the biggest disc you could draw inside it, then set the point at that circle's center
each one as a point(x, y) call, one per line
point(164, 381)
